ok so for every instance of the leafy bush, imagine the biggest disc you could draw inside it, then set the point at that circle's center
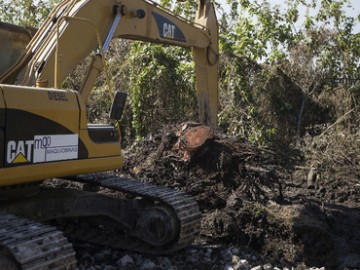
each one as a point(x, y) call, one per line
point(161, 87)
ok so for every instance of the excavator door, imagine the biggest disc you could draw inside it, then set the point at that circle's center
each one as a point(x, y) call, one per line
point(42, 125)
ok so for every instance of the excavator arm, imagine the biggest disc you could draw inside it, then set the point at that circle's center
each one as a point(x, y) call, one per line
point(76, 28)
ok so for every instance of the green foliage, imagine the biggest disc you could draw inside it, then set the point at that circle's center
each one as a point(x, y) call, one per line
point(319, 55)
point(258, 27)
point(25, 12)
point(265, 33)
point(186, 9)
point(161, 86)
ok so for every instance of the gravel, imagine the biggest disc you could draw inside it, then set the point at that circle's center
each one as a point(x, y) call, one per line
point(94, 257)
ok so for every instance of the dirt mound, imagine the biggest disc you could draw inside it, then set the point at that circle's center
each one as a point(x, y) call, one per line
point(250, 198)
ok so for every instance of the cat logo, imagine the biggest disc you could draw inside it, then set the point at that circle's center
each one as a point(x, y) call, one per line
point(19, 152)
point(168, 30)
point(43, 148)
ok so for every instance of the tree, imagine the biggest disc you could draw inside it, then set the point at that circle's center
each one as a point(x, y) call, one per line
point(25, 12)
point(317, 56)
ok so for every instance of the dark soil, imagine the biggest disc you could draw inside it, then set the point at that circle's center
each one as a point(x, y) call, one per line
point(270, 201)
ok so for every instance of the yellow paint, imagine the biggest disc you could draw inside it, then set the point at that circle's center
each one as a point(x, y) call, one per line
point(20, 158)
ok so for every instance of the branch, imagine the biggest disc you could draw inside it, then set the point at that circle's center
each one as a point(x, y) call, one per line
point(336, 122)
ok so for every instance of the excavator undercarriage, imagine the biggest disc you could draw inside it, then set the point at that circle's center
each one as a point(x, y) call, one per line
point(149, 218)
point(125, 213)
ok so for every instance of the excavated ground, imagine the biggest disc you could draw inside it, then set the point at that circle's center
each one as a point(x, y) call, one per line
point(252, 197)
point(266, 206)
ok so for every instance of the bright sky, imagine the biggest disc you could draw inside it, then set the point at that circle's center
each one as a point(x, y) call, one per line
point(354, 11)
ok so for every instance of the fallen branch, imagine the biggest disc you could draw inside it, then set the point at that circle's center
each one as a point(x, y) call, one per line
point(336, 122)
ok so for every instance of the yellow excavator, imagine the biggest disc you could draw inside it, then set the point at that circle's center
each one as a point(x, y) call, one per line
point(45, 134)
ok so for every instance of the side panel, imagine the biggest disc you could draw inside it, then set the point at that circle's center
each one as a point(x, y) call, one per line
point(44, 134)
point(42, 125)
